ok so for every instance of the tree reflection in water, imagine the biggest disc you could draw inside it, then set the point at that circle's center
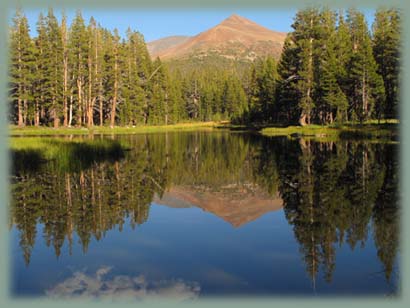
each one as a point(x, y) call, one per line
point(332, 191)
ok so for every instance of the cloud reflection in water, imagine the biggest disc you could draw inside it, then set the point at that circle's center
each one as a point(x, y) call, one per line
point(99, 286)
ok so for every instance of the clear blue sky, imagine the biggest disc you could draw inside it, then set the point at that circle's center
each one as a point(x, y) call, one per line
point(155, 24)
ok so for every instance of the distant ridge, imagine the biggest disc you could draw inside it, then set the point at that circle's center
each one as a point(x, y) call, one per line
point(160, 45)
point(235, 37)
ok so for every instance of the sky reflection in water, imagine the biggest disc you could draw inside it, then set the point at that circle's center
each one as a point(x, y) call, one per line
point(194, 214)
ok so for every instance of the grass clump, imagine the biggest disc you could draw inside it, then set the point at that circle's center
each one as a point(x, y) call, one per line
point(369, 130)
point(29, 153)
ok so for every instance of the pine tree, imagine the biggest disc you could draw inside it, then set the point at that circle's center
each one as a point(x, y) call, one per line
point(64, 45)
point(78, 60)
point(366, 88)
point(386, 51)
point(106, 81)
point(146, 72)
point(93, 69)
point(329, 70)
point(267, 88)
point(116, 76)
point(252, 94)
point(178, 112)
point(158, 102)
point(305, 35)
point(21, 50)
point(134, 74)
point(287, 93)
point(99, 73)
point(342, 53)
point(168, 96)
point(39, 87)
point(331, 101)
point(53, 80)
point(192, 95)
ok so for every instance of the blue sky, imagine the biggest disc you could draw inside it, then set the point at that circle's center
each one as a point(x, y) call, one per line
point(155, 24)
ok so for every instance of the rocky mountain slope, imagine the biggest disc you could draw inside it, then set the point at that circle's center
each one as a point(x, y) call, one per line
point(235, 38)
point(158, 46)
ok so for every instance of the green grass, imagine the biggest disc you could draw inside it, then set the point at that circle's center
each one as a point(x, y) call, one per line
point(387, 129)
point(29, 153)
point(48, 131)
point(371, 129)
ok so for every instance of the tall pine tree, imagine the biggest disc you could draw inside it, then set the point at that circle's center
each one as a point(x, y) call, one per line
point(386, 51)
point(366, 86)
point(21, 61)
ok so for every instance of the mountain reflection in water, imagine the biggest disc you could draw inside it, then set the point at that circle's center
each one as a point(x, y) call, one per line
point(332, 193)
point(236, 204)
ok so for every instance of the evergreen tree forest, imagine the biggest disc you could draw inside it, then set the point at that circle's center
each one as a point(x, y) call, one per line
point(333, 68)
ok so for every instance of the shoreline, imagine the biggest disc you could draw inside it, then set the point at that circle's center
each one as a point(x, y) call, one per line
point(387, 129)
point(15, 131)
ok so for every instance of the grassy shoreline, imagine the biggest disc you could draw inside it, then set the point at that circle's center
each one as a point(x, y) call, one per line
point(104, 130)
point(387, 129)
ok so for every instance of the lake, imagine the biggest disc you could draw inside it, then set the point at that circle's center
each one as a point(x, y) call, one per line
point(194, 214)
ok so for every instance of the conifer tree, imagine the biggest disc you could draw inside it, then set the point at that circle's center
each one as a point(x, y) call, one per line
point(386, 51)
point(178, 113)
point(252, 93)
point(341, 57)
point(21, 67)
point(93, 69)
point(287, 95)
point(305, 35)
point(135, 74)
point(53, 80)
point(267, 88)
point(329, 70)
point(78, 58)
point(116, 75)
point(99, 73)
point(366, 87)
point(331, 101)
point(159, 100)
point(39, 87)
point(64, 46)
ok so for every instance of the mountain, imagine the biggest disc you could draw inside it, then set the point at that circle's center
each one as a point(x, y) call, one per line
point(235, 204)
point(234, 38)
point(158, 46)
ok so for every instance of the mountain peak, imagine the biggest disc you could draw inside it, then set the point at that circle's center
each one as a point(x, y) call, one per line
point(236, 19)
point(236, 37)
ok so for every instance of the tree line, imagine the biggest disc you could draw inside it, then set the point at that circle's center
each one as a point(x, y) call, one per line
point(87, 75)
point(331, 69)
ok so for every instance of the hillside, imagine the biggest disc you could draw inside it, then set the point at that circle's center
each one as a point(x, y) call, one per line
point(158, 46)
point(235, 38)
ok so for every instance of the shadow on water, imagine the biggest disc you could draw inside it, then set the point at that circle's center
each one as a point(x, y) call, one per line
point(332, 191)
point(368, 135)
point(64, 156)
point(26, 160)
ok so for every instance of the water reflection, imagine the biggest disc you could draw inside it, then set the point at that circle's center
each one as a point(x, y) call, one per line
point(332, 193)
point(101, 286)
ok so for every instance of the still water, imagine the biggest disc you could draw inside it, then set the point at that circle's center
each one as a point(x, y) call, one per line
point(190, 215)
